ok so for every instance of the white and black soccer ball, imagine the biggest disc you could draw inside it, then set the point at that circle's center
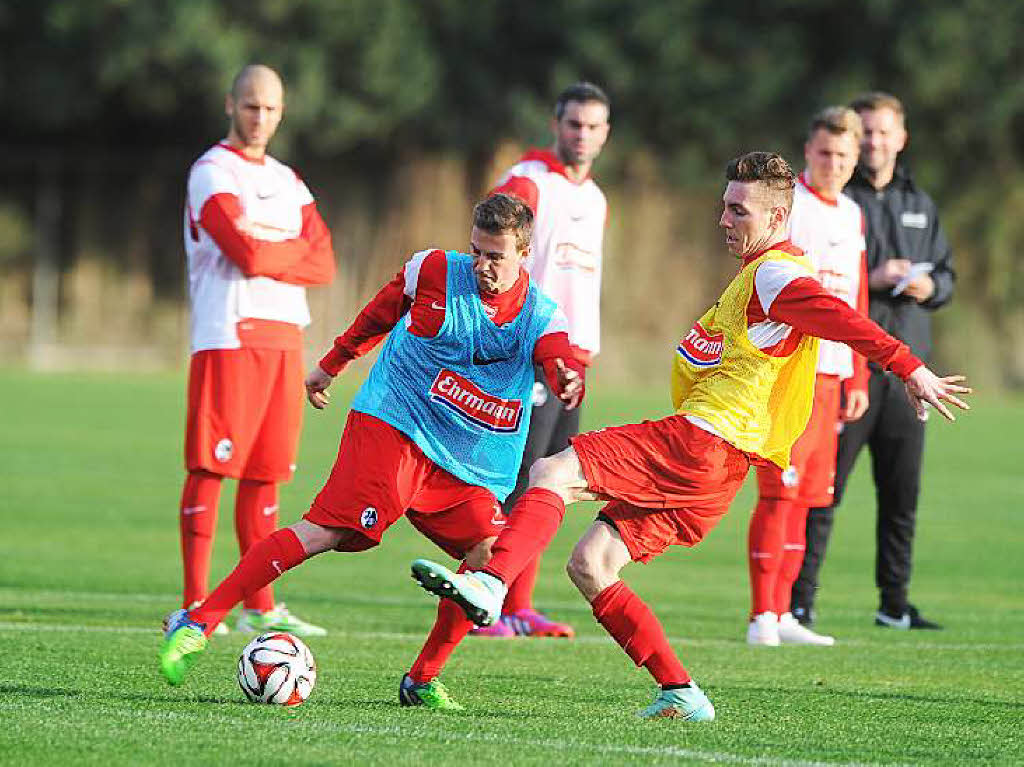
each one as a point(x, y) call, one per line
point(276, 668)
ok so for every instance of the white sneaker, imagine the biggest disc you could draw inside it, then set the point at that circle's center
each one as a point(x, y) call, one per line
point(791, 632)
point(222, 627)
point(480, 595)
point(763, 630)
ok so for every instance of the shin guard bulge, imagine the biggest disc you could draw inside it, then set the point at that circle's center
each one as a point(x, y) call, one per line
point(256, 518)
point(197, 521)
point(532, 525)
point(632, 624)
point(264, 562)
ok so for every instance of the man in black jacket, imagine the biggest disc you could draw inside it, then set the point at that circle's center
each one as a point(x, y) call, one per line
point(910, 274)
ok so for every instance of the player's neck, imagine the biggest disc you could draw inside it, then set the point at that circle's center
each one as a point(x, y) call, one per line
point(828, 195)
point(575, 173)
point(248, 151)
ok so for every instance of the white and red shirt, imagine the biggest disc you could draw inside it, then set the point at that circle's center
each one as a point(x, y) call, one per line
point(568, 235)
point(417, 296)
point(254, 240)
point(831, 233)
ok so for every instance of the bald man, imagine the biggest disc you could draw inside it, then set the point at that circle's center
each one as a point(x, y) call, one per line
point(254, 240)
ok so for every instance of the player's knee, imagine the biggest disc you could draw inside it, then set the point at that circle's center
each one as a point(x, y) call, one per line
point(347, 541)
point(554, 473)
point(543, 472)
point(480, 554)
point(582, 570)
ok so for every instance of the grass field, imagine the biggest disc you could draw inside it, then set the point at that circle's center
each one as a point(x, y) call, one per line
point(89, 564)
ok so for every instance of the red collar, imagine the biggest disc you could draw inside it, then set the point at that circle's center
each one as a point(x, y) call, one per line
point(785, 246)
point(802, 178)
point(550, 159)
point(505, 306)
point(240, 153)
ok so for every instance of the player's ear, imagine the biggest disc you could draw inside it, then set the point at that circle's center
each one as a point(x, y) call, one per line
point(229, 105)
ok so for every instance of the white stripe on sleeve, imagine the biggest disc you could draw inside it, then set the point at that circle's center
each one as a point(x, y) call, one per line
point(772, 277)
point(207, 179)
point(412, 271)
point(558, 323)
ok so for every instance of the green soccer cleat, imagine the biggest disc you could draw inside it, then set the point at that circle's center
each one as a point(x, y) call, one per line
point(278, 619)
point(183, 641)
point(688, 703)
point(479, 594)
point(433, 695)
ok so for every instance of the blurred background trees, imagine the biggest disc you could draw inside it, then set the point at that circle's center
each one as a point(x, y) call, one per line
point(400, 112)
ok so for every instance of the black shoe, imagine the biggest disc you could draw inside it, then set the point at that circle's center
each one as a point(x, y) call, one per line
point(910, 619)
point(919, 622)
point(805, 616)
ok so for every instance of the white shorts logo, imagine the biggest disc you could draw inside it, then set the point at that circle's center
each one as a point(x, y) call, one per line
point(540, 394)
point(368, 518)
point(789, 477)
point(224, 449)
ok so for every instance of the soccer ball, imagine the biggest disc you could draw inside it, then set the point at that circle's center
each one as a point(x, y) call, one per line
point(276, 668)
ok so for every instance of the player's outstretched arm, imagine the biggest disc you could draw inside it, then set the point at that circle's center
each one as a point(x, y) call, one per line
point(924, 386)
point(316, 388)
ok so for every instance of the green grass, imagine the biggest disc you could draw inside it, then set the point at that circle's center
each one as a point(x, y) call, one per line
point(89, 564)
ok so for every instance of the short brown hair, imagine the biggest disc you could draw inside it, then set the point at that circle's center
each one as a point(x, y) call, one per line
point(769, 169)
point(875, 100)
point(501, 213)
point(582, 93)
point(837, 120)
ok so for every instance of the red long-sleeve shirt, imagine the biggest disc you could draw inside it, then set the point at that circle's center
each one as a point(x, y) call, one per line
point(784, 298)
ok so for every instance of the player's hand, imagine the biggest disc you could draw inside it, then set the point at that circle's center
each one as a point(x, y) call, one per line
point(887, 274)
point(570, 384)
point(920, 289)
point(316, 388)
point(856, 404)
point(924, 386)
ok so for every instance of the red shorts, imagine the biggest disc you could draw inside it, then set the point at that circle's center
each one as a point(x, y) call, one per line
point(810, 478)
point(381, 474)
point(244, 412)
point(669, 481)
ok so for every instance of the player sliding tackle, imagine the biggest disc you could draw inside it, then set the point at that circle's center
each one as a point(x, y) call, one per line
point(436, 432)
point(742, 387)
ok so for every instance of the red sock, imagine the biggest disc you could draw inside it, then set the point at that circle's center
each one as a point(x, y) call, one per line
point(449, 629)
point(520, 591)
point(197, 521)
point(764, 551)
point(792, 556)
point(533, 522)
point(264, 562)
point(255, 519)
point(632, 624)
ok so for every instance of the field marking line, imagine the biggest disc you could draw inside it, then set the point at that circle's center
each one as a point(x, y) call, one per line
point(402, 636)
point(430, 734)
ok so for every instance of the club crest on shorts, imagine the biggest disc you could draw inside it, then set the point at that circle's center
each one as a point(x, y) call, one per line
point(473, 404)
point(224, 450)
point(368, 518)
point(700, 347)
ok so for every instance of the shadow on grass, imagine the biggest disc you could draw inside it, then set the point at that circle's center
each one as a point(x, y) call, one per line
point(37, 692)
point(28, 691)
